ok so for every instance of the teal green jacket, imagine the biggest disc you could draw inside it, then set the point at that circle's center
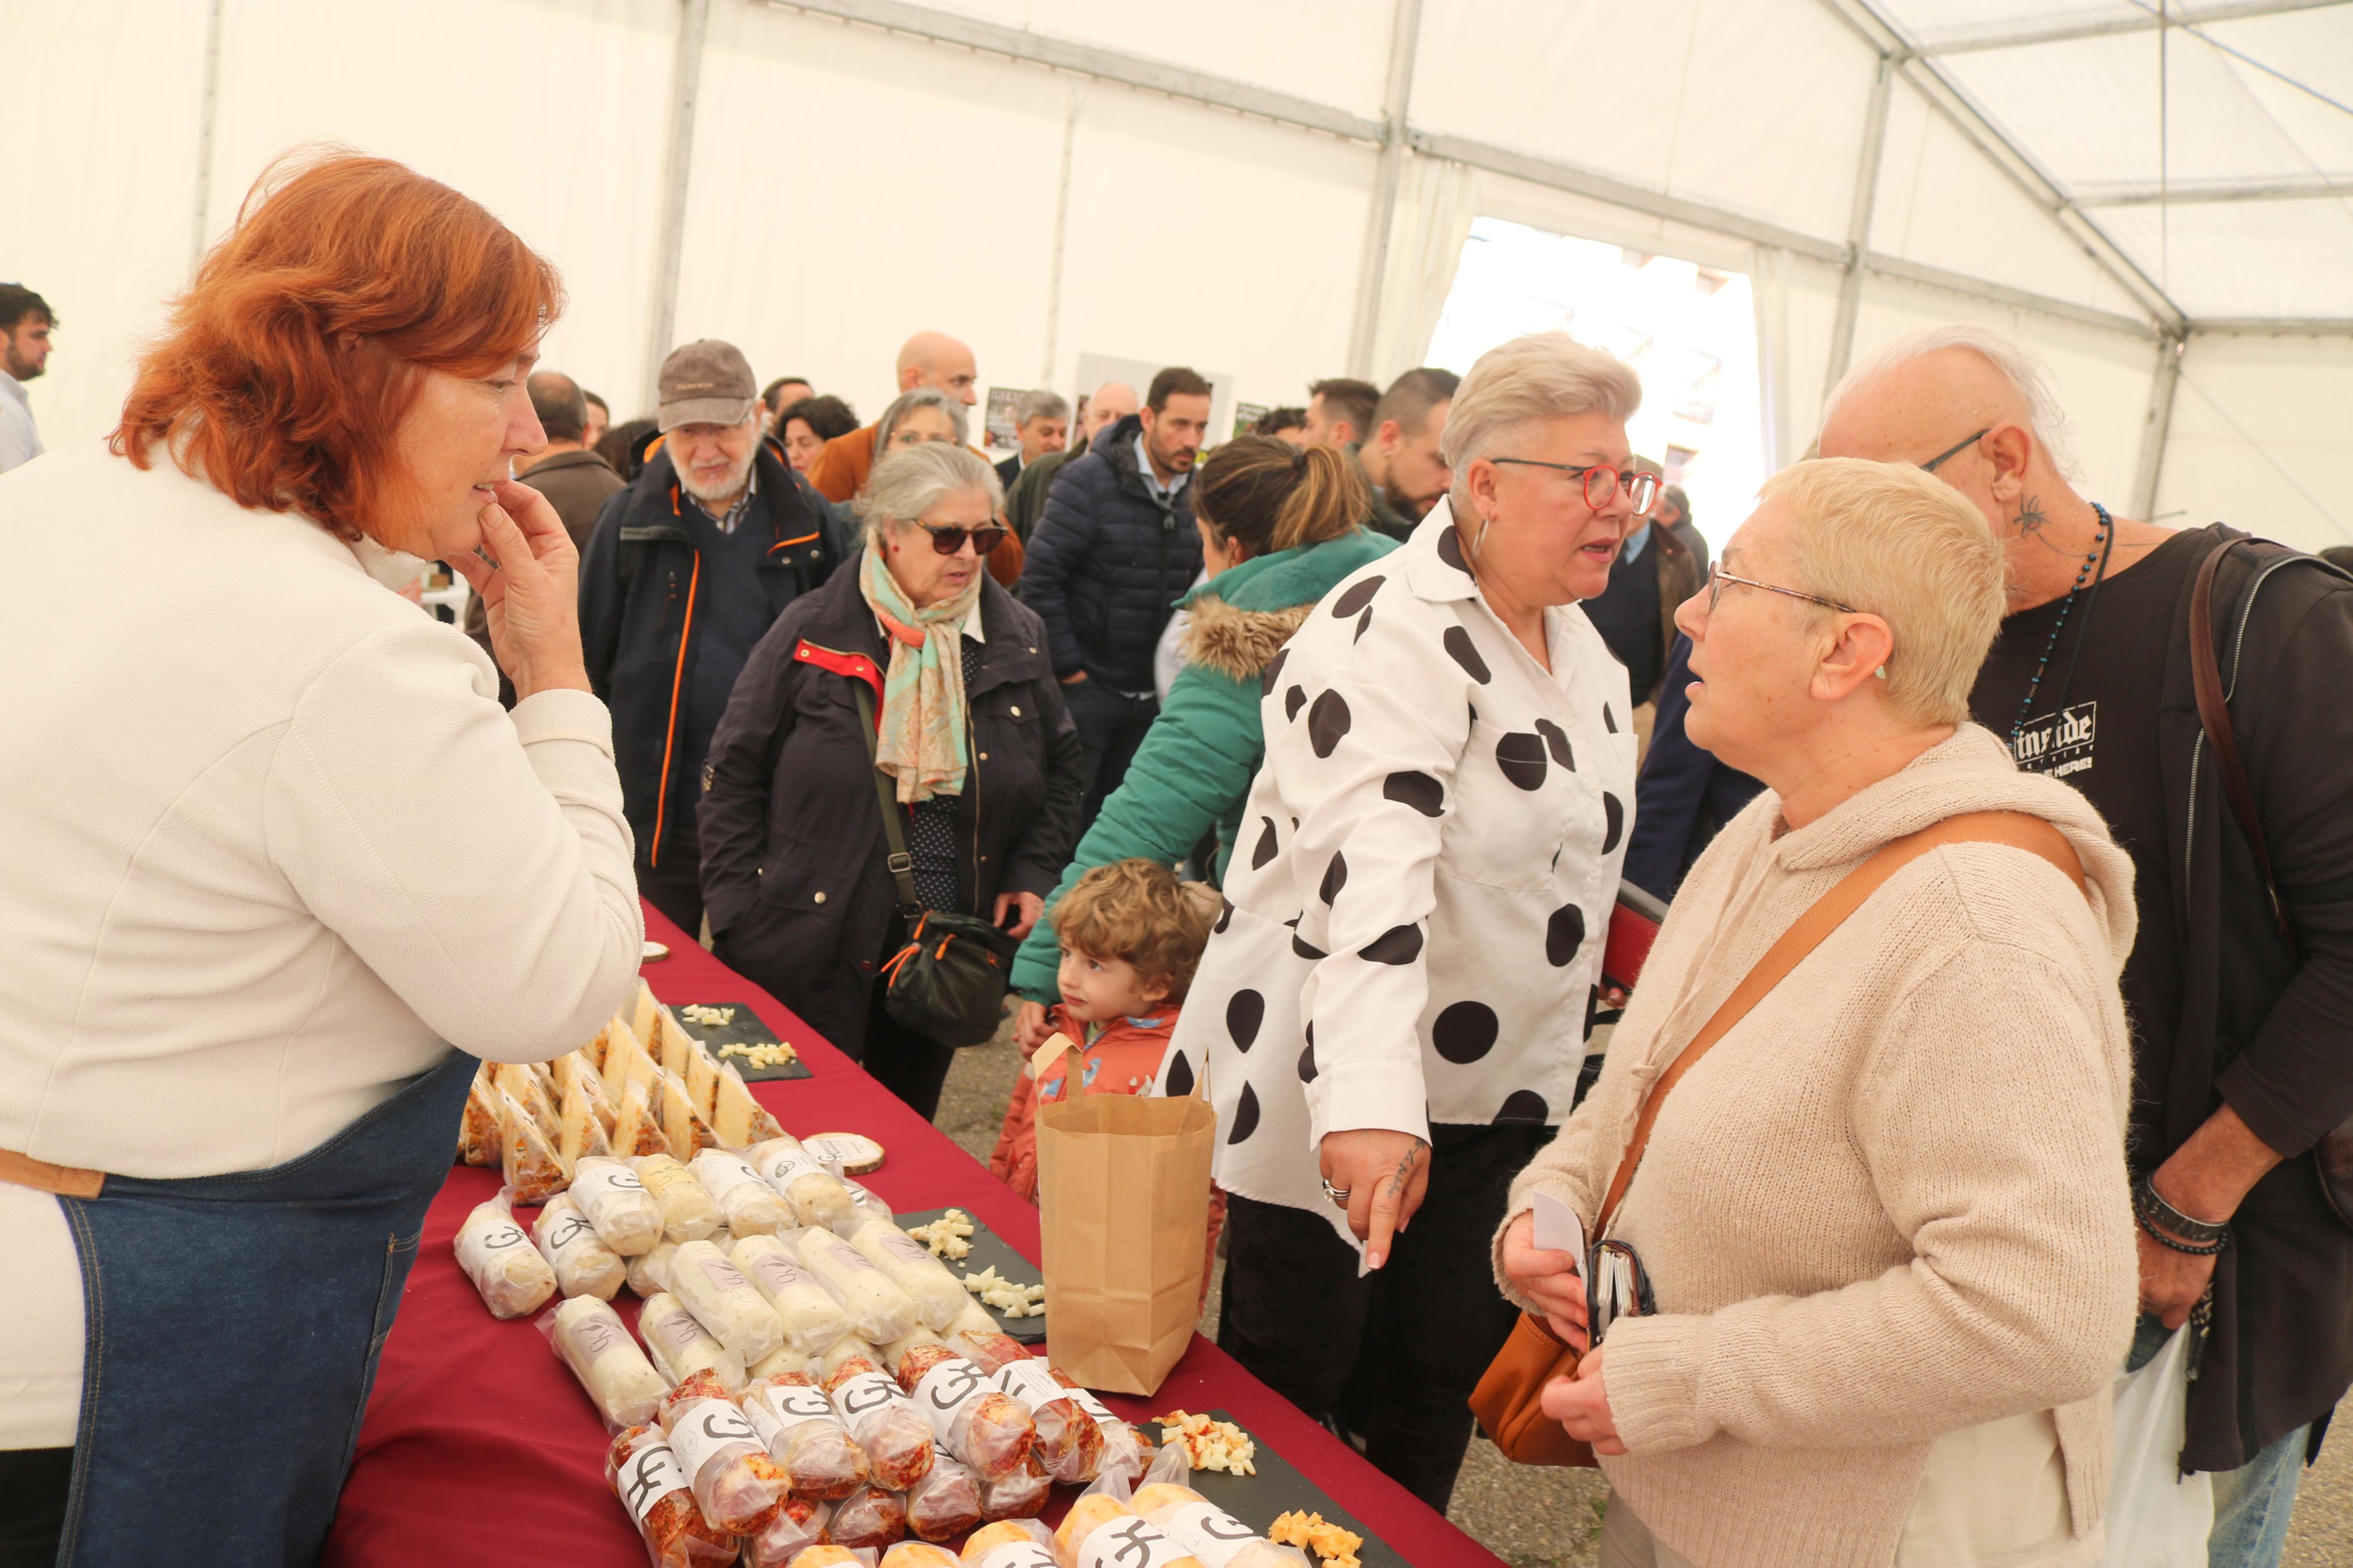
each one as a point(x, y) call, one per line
point(1193, 769)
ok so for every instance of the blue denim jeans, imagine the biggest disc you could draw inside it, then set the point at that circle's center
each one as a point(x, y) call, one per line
point(2251, 1503)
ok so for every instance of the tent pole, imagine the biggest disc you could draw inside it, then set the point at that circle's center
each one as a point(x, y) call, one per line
point(2158, 427)
point(686, 79)
point(1372, 273)
point(209, 117)
point(1858, 228)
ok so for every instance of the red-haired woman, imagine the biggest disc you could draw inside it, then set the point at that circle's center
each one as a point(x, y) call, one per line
point(274, 849)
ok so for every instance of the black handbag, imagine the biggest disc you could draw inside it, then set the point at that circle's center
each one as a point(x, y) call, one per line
point(947, 982)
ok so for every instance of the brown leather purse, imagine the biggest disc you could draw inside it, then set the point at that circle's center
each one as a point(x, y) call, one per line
point(1508, 1401)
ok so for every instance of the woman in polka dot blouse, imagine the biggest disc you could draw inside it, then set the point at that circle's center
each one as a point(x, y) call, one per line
point(1394, 1006)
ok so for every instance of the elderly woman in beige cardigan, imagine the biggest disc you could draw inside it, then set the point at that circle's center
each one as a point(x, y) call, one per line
point(1886, 1217)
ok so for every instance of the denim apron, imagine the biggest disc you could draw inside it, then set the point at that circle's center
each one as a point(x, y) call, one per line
point(234, 1327)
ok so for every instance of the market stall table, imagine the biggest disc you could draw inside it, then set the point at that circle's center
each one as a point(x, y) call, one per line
point(478, 1447)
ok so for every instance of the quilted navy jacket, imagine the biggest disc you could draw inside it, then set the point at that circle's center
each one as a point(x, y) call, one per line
point(1108, 563)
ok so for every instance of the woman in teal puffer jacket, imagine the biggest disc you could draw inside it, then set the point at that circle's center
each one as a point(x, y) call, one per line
point(1279, 527)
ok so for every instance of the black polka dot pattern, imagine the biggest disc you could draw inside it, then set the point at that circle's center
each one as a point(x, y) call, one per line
point(1466, 654)
point(1450, 550)
point(1292, 702)
point(1613, 811)
point(1266, 682)
point(1225, 916)
point(1307, 1064)
point(1564, 934)
point(1306, 949)
point(1180, 1077)
point(1363, 624)
point(1417, 790)
point(1266, 844)
point(1335, 877)
point(1356, 598)
point(1521, 757)
point(1398, 944)
point(1245, 1116)
point(1525, 1107)
point(1465, 1031)
point(1556, 740)
point(1327, 722)
point(1244, 1012)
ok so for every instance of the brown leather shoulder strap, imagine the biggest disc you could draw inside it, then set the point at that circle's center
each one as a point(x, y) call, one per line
point(1830, 912)
point(2214, 715)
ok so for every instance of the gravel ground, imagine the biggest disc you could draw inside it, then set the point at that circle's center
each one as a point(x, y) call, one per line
point(1552, 1518)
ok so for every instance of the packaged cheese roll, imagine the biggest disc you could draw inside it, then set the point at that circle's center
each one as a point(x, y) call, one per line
point(798, 1525)
point(746, 1202)
point(739, 1488)
point(830, 1555)
point(868, 1203)
point(650, 1271)
point(879, 1311)
point(1070, 1446)
point(803, 1432)
point(526, 1157)
point(945, 1502)
point(1208, 1531)
point(898, 1442)
point(584, 1265)
point(917, 1553)
point(987, 1429)
point(719, 1296)
point(502, 1262)
point(977, 1334)
point(871, 1518)
point(645, 1474)
point(1021, 1495)
point(592, 1342)
point(680, 1344)
point(1101, 1532)
point(939, 1295)
point(687, 1213)
point(780, 1362)
point(812, 1318)
point(1010, 1544)
point(816, 1195)
point(627, 1217)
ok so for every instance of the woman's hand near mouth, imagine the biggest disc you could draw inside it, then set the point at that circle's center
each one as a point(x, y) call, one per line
point(530, 590)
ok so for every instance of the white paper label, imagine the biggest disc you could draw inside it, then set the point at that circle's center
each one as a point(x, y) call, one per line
point(679, 1330)
point(1020, 1554)
point(1209, 1532)
point(708, 1428)
point(866, 1393)
point(781, 1407)
point(724, 1275)
point(721, 1173)
point(847, 1255)
point(1027, 1382)
point(775, 1272)
point(594, 1178)
point(567, 1233)
point(946, 1389)
point(1128, 1543)
point(783, 1167)
point(650, 1474)
point(904, 1246)
point(489, 1239)
point(596, 1333)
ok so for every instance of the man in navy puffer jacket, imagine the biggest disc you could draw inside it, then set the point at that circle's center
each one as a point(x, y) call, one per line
point(1114, 551)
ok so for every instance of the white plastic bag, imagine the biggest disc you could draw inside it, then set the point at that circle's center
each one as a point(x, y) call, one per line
point(2157, 1518)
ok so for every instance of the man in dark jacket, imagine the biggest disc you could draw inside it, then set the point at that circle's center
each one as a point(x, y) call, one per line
point(575, 482)
point(685, 570)
point(1115, 551)
point(2239, 1011)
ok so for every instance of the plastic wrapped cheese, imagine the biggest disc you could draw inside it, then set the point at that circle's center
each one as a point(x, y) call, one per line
point(976, 1334)
point(1070, 1446)
point(650, 1271)
point(879, 1311)
point(917, 1553)
point(988, 1429)
point(738, 1487)
point(798, 1525)
point(644, 1473)
point(803, 1432)
point(830, 1555)
point(898, 1441)
point(592, 1342)
point(746, 1202)
point(1010, 1544)
point(502, 1262)
point(627, 1217)
point(1101, 1532)
point(1127, 1449)
point(939, 1295)
point(687, 1213)
point(1021, 1495)
point(1208, 1531)
point(945, 1502)
point(583, 1266)
point(723, 1300)
point(816, 1195)
point(812, 1317)
point(871, 1518)
point(680, 1346)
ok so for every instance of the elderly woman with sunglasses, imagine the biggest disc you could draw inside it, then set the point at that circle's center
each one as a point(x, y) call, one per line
point(981, 758)
point(924, 415)
point(1882, 1214)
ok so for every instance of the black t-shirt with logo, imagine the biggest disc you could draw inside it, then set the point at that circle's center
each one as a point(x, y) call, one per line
point(2097, 731)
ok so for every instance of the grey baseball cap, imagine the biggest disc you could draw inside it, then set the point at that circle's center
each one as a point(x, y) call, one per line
point(704, 383)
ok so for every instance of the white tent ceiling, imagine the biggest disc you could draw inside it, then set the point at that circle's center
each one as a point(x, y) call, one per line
point(1279, 189)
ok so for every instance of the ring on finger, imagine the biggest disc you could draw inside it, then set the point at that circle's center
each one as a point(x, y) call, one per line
point(1337, 1195)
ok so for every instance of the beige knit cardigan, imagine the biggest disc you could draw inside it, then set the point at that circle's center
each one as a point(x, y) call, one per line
point(1890, 1203)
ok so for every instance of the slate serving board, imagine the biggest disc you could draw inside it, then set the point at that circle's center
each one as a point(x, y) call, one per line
point(1276, 1489)
point(989, 1250)
point(744, 1029)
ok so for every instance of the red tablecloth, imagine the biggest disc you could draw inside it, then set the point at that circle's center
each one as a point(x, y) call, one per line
point(478, 1447)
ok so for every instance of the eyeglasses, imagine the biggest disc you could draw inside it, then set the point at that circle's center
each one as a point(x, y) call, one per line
point(1954, 450)
point(948, 540)
point(1718, 577)
point(1602, 481)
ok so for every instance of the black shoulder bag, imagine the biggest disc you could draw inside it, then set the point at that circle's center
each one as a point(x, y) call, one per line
point(947, 984)
point(2332, 1155)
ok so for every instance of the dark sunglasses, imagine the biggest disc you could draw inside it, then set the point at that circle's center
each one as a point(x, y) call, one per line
point(948, 540)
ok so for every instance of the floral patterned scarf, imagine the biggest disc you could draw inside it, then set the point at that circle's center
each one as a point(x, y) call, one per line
point(921, 743)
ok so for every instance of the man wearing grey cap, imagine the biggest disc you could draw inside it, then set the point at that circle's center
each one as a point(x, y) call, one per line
point(686, 569)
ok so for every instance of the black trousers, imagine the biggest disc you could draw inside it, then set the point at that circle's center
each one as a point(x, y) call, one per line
point(33, 1486)
point(1110, 727)
point(909, 1064)
point(1394, 1354)
point(675, 887)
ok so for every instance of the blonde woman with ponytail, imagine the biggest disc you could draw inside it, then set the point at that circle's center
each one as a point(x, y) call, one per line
point(1279, 527)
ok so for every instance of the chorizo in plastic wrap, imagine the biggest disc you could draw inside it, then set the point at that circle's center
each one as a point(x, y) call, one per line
point(871, 1517)
point(738, 1487)
point(1069, 1445)
point(977, 1334)
point(1021, 1495)
point(644, 1473)
point(805, 1434)
point(987, 1429)
point(798, 1525)
point(945, 1502)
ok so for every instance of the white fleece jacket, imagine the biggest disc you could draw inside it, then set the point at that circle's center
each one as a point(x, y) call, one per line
point(1892, 1202)
point(273, 850)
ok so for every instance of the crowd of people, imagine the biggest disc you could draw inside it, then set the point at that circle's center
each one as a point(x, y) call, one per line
point(1313, 760)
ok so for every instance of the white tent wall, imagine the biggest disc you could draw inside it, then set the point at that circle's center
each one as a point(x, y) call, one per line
point(2260, 439)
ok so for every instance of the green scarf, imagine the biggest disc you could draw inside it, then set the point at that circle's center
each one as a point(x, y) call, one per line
point(921, 741)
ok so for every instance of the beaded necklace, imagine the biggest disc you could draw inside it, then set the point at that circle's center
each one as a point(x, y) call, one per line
point(2094, 570)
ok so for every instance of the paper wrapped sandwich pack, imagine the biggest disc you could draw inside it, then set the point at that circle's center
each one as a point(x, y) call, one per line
point(739, 1120)
point(478, 1128)
point(591, 1340)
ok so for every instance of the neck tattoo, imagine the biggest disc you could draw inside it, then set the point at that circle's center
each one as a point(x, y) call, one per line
point(2095, 567)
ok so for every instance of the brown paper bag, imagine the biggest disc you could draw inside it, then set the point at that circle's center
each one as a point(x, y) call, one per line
point(1123, 1191)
